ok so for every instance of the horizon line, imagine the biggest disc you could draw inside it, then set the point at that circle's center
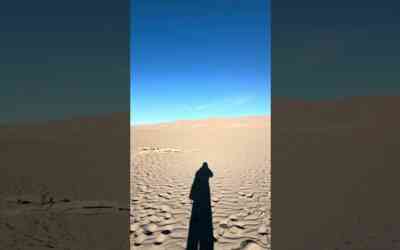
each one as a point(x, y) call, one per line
point(199, 119)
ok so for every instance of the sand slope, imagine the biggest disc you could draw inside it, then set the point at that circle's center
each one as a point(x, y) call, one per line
point(164, 161)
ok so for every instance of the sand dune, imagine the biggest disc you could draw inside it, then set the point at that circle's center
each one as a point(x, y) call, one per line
point(164, 161)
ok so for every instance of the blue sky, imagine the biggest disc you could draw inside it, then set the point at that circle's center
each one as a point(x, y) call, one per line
point(199, 59)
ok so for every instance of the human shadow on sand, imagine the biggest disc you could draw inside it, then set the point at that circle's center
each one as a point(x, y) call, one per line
point(201, 226)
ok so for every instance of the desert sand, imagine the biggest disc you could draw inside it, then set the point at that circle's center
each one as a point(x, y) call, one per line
point(336, 173)
point(55, 190)
point(164, 160)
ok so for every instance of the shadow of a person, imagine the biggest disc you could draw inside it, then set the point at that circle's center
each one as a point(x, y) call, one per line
point(201, 226)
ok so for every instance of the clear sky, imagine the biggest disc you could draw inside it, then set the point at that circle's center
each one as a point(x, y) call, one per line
point(199, 59)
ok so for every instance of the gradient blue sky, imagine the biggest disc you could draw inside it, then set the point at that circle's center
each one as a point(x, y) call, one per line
point(199, 59)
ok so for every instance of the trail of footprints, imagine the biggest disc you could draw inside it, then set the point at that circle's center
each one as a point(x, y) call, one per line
point(160, 207)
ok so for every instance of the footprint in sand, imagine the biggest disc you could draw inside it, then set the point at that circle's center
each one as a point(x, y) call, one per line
point(249, 245)
point(155, 219)
point(160, 239)
point(233, 218)
point(139, 239)
point(149, 229)
point(134, 227)
point(167, 216)
point(263, 230)
point(226, 223)
point(239, 224)
point(165, 209)
point(167, 229)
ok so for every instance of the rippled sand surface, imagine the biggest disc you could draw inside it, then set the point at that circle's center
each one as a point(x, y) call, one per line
point(164, 161)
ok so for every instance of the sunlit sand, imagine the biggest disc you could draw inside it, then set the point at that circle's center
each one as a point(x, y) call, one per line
point(164, 161)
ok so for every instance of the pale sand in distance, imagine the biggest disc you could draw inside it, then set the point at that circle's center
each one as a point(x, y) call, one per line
point(164, 160)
